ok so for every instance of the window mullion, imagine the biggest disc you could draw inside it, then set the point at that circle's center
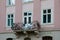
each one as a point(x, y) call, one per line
point(46, 17)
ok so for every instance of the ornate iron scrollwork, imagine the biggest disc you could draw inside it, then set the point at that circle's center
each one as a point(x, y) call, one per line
point(34, 26)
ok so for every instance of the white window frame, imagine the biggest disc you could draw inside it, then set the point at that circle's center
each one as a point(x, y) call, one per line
point(27, 0)
point(52, 12)
point(28, 16)
point(7, 19)
point(12, 3)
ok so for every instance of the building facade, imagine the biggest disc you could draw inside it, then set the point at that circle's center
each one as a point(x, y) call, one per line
point(47, 12)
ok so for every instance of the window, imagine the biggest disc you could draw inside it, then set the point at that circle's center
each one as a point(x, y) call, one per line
point(10, 19)
point(27, 0)
point(9, 39)
point(47, 16)
point(47, 38)
point(10, 2)
point(27, 17)
point(27, 38)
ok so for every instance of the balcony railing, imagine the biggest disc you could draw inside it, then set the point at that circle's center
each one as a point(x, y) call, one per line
point(26, 27)
point(34, 27)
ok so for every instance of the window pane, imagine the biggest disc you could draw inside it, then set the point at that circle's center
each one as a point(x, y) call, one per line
point(11, 15)
point(8, 16)
point(44, 11)
point(25, 20)
point(44, 18)
point(47, 38)
point(49, 10)
point(13, 2)
point(49, 18)
point(9, 2)
point(29, 20)
point(27, 38)
point(9, 39)
point(25, 14)
point(29, 13)
point(8, 22)
point(11, 22)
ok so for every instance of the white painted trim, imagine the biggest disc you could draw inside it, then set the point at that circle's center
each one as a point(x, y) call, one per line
point(9, 27)
point(52, 17)
point(24, 1)
point(12, 4)
point(28, 16)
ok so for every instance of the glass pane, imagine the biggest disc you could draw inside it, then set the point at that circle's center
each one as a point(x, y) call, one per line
point(49, 18)
point(29, 13)
point(11, 15)
point(9, 39)
point(47, 38)
point(13, 2)
point(11, 22)
point(44, 11)
point(25, 20)
point(8, 22)
point(27, 38)
point(29, 20)
point(44, 18)
point(9, 2)
point(8, 16)
point(49, 10)
point(25, 14)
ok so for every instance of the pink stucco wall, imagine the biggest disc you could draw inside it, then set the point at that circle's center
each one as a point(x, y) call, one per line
point(18, 15)
point(57, 14)
point(37, 10)
point(2, 15)
point(36, 14)
point(56, 17)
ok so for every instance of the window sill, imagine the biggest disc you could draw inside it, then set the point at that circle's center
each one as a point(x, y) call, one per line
point(27, 2)
point(46, 23)
point(51, 25)
point(9, 5)
point(8, 28)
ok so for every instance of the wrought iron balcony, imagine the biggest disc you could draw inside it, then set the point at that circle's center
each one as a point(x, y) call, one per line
point(20, 28)
point(34, 26)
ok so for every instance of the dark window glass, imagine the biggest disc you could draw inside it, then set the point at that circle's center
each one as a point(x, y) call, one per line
point(25, 14)
point(11, 15)
point(29, 13)
point(9, 2)
point(9, 39)
point(47, 38)
point(11, 21)
point(49, 18)
point(25, 20)
point(8, 16)
point(44, 18)
point(27, 38)
point(29, 20)
point(44, 11)
point(8, 22)
point(49, 10)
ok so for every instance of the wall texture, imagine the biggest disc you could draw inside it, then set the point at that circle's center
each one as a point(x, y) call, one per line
point(36, 7)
